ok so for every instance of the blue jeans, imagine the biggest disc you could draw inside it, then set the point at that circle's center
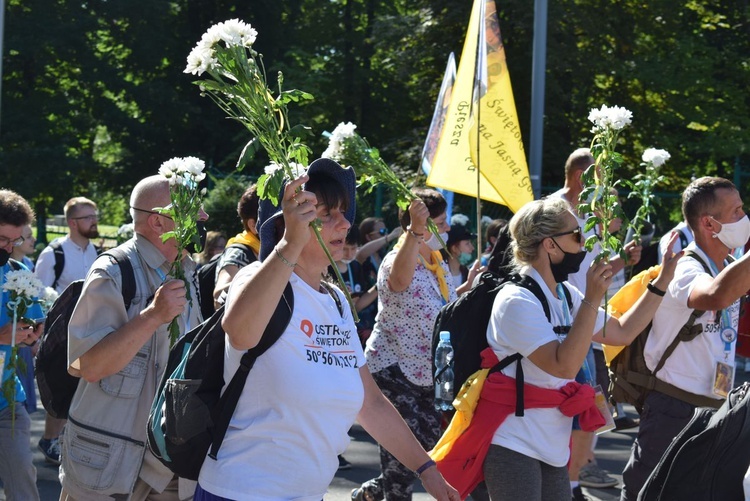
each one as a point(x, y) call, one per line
point(16, 464)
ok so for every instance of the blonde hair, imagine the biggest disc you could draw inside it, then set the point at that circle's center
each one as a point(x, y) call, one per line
point(534, 222)
point(71, 206)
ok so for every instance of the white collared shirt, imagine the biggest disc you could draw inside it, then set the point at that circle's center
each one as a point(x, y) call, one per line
point(78, 261)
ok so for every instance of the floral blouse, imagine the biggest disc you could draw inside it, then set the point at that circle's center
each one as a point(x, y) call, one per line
point(403, 327)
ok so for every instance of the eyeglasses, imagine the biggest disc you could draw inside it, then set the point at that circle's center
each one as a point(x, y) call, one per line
point(91, 217)
point(151, 212)
point(4, 241)
point(381, 231)
point(576, 232)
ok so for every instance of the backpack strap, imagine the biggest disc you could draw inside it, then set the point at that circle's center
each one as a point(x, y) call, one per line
point(688, 332)
point(15, 265)
point(532, 285)
point(683, 238)
point(231, 396)
point(59, 254)
point(127, 274)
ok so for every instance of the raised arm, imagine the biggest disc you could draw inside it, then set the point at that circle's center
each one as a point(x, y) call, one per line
point(253, 297)
point(405, 262)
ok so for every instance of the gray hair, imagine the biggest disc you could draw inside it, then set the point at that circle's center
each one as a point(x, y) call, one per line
point(534, 222)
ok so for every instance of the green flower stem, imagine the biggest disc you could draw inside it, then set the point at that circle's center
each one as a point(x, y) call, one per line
point(342, 285)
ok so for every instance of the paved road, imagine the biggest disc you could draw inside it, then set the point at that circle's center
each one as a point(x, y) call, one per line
point(612, 453)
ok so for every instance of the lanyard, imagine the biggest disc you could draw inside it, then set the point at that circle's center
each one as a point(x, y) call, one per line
point(567, 318)
point(727, 333)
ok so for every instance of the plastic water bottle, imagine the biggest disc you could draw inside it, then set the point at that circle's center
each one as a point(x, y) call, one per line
point(444, 373)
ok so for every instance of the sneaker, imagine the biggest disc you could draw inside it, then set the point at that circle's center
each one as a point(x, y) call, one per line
point(594, 477)
point(344, 464)
point(51, 450)
point(578, 494)
point(626, 423)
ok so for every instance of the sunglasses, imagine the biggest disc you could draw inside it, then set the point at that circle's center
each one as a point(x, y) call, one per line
point(575, 232)
point(381, 231)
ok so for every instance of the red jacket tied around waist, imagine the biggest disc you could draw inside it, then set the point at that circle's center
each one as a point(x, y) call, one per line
point(462, 466)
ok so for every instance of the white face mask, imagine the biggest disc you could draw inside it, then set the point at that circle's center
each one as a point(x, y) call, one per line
point(346, 261)
point(734, 235)
point(433, 243)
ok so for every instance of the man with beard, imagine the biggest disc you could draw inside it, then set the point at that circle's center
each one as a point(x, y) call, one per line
point(63, 261)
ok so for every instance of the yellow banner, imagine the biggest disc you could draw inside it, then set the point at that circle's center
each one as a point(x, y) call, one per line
point(487, 135)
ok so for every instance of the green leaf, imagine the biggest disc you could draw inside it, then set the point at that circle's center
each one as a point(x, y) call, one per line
point(591, 222)
point(248, 152)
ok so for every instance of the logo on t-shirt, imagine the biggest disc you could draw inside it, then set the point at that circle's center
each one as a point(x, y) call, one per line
point(331, 345)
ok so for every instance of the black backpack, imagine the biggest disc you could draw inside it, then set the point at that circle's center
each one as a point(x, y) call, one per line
point(190, 415)
point(708, 460)
point(207, 278)
point(56, 385)
point(467, 317)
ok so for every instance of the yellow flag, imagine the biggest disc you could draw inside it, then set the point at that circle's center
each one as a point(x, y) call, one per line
point(485, 134)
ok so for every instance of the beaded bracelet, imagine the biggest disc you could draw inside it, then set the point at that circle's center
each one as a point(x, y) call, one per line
point(283, 259)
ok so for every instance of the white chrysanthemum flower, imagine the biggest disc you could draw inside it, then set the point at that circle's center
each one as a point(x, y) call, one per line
point(460, 219)
point(193, 166)
point(297, 169)
point(343, 131)
point(655, 156)
point(23, 283)
point(236, 33)
point(201, 58)
point(212, 36)
point(333, 151)
point(48, 295)
point(337, 140)
point(615, 117)
point(169, 168)
point(271, 168)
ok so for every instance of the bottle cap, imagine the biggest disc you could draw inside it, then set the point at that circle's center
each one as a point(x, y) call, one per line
point(445, 336)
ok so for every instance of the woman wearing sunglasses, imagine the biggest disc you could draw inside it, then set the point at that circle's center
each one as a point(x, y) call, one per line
point(528, 454)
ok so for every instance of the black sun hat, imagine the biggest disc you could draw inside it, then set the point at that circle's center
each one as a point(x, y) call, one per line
point(268, 213)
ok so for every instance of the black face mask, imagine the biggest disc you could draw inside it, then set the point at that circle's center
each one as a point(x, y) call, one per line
point(571, 263)
point(4, 256)
point(192, 248)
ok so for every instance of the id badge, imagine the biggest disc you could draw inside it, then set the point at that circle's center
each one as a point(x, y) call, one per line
point(723, 379)
point(2, 362)
point(603, 406)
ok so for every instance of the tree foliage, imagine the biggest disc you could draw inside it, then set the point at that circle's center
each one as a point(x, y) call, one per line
point(94, 97)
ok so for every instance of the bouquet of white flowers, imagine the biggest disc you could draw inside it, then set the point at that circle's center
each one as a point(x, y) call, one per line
point(238, 85)
point(24, 289)
point(349, 148)
point(643, 187)
point(183, 174)
point(598, 197)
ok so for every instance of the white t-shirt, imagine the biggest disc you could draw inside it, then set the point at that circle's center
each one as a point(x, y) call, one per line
point(664, 241)
point(77, 263)
point(518, 325)
point(692, 364)
point(298, 403)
